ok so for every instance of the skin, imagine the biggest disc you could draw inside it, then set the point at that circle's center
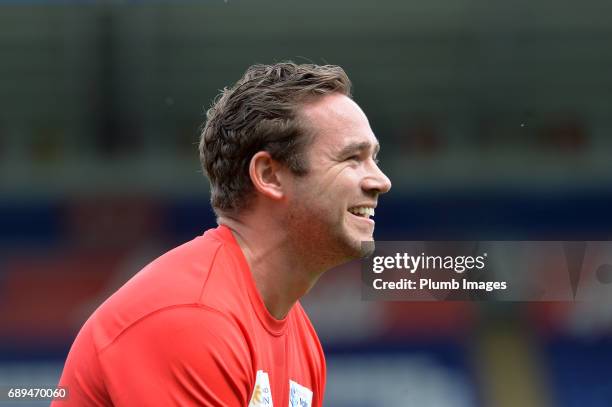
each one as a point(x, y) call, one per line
point(299, 226)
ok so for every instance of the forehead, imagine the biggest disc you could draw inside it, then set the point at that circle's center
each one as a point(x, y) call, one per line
point(335, 121)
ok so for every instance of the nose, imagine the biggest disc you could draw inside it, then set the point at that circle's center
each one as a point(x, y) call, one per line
point(376, 180)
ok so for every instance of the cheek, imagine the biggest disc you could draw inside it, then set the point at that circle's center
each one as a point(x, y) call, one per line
point(329, 192)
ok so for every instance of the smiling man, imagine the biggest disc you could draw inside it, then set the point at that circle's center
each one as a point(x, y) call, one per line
point(294, 180)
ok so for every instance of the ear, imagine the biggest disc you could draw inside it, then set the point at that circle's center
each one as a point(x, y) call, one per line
point(265, 175)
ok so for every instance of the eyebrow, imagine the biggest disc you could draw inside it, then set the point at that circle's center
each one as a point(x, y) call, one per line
point(354, 147)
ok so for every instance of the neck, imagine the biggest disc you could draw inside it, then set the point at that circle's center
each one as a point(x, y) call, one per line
point(282, 273)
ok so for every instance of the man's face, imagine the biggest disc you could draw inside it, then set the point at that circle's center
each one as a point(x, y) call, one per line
point(331, 208)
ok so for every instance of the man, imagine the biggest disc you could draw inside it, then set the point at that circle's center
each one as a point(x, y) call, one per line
point(216, 322)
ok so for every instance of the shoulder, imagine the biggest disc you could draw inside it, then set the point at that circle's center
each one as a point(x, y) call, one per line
point(182, 330)
point(177, 278)
point(179, 348)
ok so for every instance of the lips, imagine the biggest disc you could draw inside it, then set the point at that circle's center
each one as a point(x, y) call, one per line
point(363, 212)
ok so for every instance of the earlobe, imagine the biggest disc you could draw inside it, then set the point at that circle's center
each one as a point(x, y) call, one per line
point(264, 173)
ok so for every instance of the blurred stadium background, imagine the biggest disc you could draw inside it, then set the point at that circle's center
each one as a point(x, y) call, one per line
point(494, 120)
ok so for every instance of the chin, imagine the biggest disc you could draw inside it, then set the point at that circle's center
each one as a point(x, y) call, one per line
point(361, 247)
point(367, 247)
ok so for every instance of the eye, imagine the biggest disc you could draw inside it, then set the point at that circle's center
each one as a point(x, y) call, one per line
point(354, 157)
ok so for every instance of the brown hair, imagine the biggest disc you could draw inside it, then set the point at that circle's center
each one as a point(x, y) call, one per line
point(260, 113)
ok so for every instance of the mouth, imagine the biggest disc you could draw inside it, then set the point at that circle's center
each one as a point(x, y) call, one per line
point(363, 212)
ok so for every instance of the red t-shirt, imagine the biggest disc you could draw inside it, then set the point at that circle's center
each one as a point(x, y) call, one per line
point(191, 329)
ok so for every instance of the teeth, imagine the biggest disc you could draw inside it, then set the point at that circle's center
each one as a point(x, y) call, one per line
point(362, 211)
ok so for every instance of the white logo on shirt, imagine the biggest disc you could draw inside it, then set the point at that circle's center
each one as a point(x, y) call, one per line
point(299, 396)
point(262, 395)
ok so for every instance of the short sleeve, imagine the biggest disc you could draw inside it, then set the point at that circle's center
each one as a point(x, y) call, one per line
point(180, 356)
